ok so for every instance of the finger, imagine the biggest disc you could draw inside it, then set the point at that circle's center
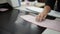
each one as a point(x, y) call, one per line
point(38, 18)
point(44, 17)
point(41, 18)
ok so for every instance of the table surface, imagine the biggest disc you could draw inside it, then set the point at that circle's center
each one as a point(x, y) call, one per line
point(11, 23)
point(51, 24)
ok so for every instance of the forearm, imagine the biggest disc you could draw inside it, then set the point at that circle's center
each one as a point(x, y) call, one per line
point(46, 9)
point(49, 4)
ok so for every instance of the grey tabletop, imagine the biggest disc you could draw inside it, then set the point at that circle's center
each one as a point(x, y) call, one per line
point(11, 23)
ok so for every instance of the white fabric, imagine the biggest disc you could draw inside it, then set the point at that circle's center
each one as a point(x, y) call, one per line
point(36, 9)
point(49, 31)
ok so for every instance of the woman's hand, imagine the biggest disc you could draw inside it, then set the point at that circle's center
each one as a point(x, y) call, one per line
point(41, 16)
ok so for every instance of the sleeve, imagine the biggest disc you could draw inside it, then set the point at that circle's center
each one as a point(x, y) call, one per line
point(50, 3)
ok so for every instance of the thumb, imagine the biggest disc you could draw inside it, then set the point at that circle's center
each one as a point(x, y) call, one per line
point(44, 17)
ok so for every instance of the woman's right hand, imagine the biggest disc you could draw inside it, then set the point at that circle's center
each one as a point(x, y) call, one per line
point(41, 16)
